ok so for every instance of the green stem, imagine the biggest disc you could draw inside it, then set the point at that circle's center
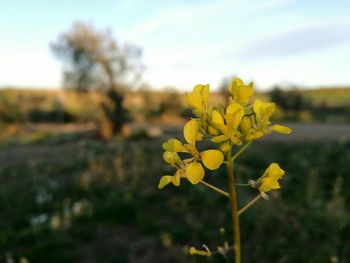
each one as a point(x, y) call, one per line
point(215, 189)
point(234, 210)
point(240, 151)
point(252, 202)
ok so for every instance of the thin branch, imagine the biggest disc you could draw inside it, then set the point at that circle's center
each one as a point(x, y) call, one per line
point(252, 202)
point(236, 184)
point(225, 249)
point(215, 189)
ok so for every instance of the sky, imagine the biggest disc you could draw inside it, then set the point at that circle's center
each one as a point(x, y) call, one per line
point(187, 42)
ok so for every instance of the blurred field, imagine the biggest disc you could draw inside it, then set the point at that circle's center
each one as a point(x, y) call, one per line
point(82, 200)
point(329, 96)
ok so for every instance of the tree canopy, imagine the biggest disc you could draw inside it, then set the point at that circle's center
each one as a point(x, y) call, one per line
point(93, 59)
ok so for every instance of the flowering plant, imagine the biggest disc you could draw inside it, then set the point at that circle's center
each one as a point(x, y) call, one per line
point(232, 130)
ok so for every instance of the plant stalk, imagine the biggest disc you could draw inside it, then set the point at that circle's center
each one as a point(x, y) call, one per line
point(234, 210)
point(252, 202)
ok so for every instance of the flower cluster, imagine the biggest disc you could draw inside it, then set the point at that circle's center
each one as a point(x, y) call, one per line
point(242, 121)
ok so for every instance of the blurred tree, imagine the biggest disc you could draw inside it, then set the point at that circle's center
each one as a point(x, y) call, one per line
point(92, 59)
point(224, 91)
point(278, 96)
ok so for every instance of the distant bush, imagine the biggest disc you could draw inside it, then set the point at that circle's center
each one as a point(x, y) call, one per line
point(289, 100)
point(52, 116)
point(293, 106)
point(10, 111)
point(171, 104)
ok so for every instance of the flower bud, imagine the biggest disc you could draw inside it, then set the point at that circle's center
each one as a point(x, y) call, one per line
point(169, 157)
point(245, 125)
point(213, 131)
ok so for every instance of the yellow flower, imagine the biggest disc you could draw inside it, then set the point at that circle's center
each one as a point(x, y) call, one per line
point(255, 128)
point(211, 159)
point(167, 179)
point(172, 158)
point(191, 132)
point(228, 127)
point(269, 180)
point(241, 93)
point(173, 145)
point(263, 112)
point(191, 168)
point(198, 98)
point(194, 172)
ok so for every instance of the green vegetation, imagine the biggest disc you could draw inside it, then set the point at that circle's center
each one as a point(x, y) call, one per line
point(91, 201)
point(329, 96)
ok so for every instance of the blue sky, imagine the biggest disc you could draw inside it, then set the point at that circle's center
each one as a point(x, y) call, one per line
point(188, 42)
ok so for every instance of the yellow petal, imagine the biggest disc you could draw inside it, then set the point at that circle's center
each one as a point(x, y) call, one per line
point(173, 145)
point(245, 125)
point(235, 140)
point(191, 131)
point(274, 170)
point(176, 179)
point(216, 117)
point(244, 94)
point(235, 83)
point(263, 110)
point(198, 98)
point(234, 114)
point(268, 185)
point(212, 159)
point(254, 135)
point(225, 147)
point(165, 180)
point(169, 157)
point(194, 100)
point(194, 172)
point(205, 93)
point(258, 107)
point(241, 93)
point(249, 137)
point(269, 179)
point(281, 129)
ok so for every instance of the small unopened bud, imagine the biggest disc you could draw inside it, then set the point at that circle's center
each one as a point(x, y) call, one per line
point(213, 131)
point(245, 125)
point(225, 147)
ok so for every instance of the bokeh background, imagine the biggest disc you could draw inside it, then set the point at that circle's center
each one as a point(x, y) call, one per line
point(90, 90)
